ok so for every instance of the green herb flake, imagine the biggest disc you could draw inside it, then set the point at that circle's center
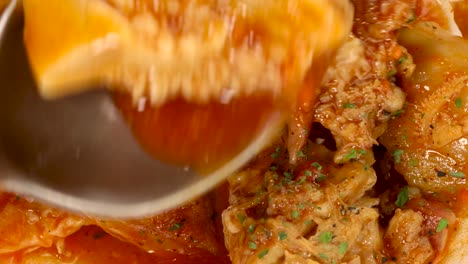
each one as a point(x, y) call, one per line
point(308, 173)
point(294, 214)
point(252, 245)
point(343, 247)
point(241, 218)
point(321, 177)
point(176, 226)
point(351, 155)
point(398, 112)
point(251, 228)
point(457, 174)
point(402, 198)
point(317, 165)
point(287, 175)
point(282, 235)
point(323, 256)
point(275, 155)
point(308, 222)
point(402, 59)
point(274, 168)
point(391, 73)
point(263, 253)
point(362, 151)
point(397, 155)
point(300, 154)
point(326, 237)
point(443, 223)
point(414, 162)
point(349, 105)
point(302, 180)
point(458, 102)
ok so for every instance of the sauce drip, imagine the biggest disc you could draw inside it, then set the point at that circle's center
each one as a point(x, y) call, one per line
point(202, 136)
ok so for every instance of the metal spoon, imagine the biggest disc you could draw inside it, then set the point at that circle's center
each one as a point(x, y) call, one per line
point(77, 153)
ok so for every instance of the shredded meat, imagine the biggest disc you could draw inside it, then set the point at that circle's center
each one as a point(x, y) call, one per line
point(317, 212)
point(360, 94)
point(406, 237)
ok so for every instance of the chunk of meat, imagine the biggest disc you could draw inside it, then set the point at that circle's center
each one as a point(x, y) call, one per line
point(184, 229)
point(359, 94)
point(34, 233)
point(91, 245)
point(406, 238)
point(315, 212)
point(429, 140)
point(26, 226)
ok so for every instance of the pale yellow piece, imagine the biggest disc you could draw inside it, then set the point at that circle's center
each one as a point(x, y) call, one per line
point(75, 45)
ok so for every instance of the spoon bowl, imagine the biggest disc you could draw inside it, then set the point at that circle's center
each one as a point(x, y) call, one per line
point(77, 153)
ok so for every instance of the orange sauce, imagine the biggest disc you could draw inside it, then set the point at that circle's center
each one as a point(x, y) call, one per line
point(461, 16)
point(201, 136)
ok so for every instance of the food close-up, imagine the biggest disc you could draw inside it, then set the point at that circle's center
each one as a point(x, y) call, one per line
point(365, 104)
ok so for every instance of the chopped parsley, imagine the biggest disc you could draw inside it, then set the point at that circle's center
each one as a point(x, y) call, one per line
point(391, 73)
point(351, 155)
point(458, 102)
point(273, 168)
point(443, 223)
point(282, 235)
point(252, 245)
point(402, 198)
point(349, 105)
point(302, 180)
point(308, 173)
point(294, 214)
point(323, 256)
point(251, 228)
point(342, 248)
point(414, 162)
point(398, 112)
point(300, 154)
point(287, 175)
point(321, 177)
point(362, 151)
point(402, 59)
point(176, 226)
point(317, 165)
point(308, 222)
point(241, 218)
point(457, 174)
point(326, 237)
point(397, 155)
point(276, 153)
point(263, 253)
